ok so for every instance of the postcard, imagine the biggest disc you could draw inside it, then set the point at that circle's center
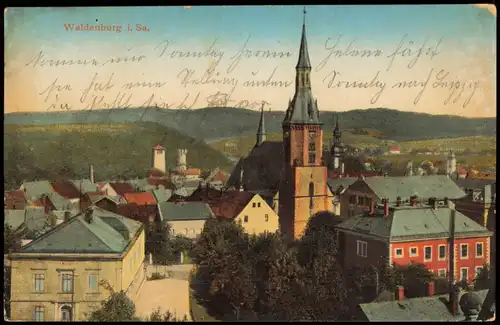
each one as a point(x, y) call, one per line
point(131, 134)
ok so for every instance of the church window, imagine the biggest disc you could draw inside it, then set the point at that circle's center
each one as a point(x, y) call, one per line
point(312, 147)
point(311, 195)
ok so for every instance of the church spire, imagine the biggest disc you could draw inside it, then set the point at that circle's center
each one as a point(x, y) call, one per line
point(303, 62)
point(336, 130)
point(261, 131)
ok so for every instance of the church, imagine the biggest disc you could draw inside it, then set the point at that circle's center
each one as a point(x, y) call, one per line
point(297, 168)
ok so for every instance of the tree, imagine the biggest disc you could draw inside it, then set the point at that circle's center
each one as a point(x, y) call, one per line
point(158, 243)
point(158, 316)
point(225, 268)
point(117, 308)
point(9, 239)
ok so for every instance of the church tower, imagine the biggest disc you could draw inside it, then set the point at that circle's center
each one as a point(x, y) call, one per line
point(261, 131)
point(337, 149)
point(303, 189)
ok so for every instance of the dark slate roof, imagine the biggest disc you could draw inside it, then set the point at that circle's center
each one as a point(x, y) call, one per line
point(231, 203)
point(433, 308)
point(15, 200)
point(473, 183)
point(184, 211)
point(61, 203)
point(303, 108)
point(425, 187)
point(162, 195)
point(122, 188)
point(102, 235)
point(35, 190)
point(66, 189)
point(303, 61)
point(13, 218)
point(85, 185)
point(345, 182)
point(413, 223)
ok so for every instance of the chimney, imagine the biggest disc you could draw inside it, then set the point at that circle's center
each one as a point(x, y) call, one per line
point(342, 168)
point(398, 201)
point(67, 215)
point(386, 207)
point(434, 203)
point(454, 295)
point(372, 206)
point(413, 200)
point(400, 293)
point(92, 174)
point(89, 216)
point(446, 201)
point(430, 289)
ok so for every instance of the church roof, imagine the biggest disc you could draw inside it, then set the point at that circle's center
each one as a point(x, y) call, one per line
point(303, 61)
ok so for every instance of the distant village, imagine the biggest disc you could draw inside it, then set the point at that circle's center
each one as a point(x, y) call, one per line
point(69, 235)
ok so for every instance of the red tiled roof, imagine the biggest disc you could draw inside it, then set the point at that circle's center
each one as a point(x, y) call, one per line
point(461, 170)
point(158, 147)
point(159, 181)
point(192, 171)
point(66, 189)
point(220, 176)
point(134, 211)
point(230, 204)
point(140, 198)
point(15, 200)
point(394, 148)
point(122, 188)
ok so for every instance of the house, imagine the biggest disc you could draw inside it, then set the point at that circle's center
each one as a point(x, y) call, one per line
point(147, 214)
point(217, 176)
point(142, 184)
point(140, 198)
point(63, 275)
point(356, 199)
point(26, 224)
point(162, 194)
point(15, 200)
point(249, 209)
point(34, 190)
point(85, 185)
point(430, 308)
point(337, 188)
point(480, 198)
point(67, 190)
point(100, 200)
point(271, 197)
point(394, 150)
point(401, 234)
point(117, 189)
point(54, 201)
point(185, 218)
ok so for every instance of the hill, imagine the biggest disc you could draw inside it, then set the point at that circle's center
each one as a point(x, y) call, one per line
point(117, 151)
point(217, 123)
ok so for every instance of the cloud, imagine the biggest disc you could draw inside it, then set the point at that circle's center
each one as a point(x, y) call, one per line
point(491, 7)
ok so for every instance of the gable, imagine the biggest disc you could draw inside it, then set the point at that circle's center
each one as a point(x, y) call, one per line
point(257, 214)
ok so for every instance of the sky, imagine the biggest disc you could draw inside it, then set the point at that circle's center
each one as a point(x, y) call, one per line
point(429, 59)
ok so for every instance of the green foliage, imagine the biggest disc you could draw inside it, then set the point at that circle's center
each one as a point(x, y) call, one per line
point(9, 239)
point(414, 277)
point(158, 316)
point(262, 277)
point(48, 152)
point(117, 308)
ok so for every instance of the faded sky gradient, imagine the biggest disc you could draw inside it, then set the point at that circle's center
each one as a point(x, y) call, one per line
point(463, 36)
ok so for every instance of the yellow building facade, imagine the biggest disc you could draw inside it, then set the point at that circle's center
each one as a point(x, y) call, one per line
point(257, 217)
point(58, 286)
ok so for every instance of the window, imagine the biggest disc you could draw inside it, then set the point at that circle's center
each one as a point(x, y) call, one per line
point(39, 282)
point(258, 205)
point(361, 200)
point(478, 270)
point(39, 313)
point(399, 252)
point(479, 249)
point(442, 273)
point(311, 195)
point(442, 252)
point(266, 217)
point(413, 251)
point(193, 231)
point(93, 282)
point(173, 231)
point(464, 251)
point(245, 219)
point(427, 253)
point(67, 283)
point(253, 205)
point(312, 147)
point(362, 248)
point(464, 273)
point(186, 231)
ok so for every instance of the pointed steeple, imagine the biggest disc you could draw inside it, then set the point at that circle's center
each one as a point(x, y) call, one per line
point(336, 130)
point(303, 62)
point(261, 131)
point(303, 109)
